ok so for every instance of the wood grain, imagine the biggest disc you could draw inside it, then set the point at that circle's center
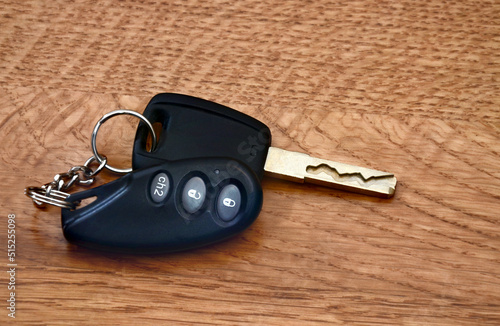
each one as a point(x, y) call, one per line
point(410, 87)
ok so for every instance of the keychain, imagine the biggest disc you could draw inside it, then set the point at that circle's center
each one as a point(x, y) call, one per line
point(53, 193)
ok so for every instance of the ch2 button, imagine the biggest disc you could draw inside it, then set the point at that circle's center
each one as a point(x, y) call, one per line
point(228, 202)
point(193, 194)
point(159, 187)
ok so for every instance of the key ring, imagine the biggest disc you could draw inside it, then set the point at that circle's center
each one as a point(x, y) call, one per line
point(111, 114)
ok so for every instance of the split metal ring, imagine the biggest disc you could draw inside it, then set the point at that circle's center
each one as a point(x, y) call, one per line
point(111, 114)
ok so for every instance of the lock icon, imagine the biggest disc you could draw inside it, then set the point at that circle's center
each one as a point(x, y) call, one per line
point(228, 202)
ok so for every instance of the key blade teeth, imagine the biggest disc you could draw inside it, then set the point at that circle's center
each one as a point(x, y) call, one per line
point(339, 173)
point(350, 178)
point(301, 168)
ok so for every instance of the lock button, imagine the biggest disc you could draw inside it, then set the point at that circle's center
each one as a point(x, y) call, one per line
point(193, 195)
point(228, 202)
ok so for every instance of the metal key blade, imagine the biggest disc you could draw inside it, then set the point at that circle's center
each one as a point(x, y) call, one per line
point(300, 167)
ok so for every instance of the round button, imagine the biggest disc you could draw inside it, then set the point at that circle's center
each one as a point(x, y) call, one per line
point(193, 194)
point(159, 187)
point(228, 203)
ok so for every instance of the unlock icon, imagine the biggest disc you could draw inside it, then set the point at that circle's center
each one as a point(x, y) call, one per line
point(194, 194)
point(228, 202)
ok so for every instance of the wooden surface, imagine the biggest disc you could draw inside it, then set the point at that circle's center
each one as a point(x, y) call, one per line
point(410, 87)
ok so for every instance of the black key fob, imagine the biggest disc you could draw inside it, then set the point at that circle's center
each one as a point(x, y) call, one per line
point(172, 206)
point(193, 128)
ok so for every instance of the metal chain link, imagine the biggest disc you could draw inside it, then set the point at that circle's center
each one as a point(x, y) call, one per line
point(53, 193)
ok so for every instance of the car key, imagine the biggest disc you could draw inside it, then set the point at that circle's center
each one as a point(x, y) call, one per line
point(193, 127)
point(198, 184)
point(174, 206)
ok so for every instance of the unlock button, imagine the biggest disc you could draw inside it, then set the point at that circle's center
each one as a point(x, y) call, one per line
point(193, 194)
point(228, 202)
